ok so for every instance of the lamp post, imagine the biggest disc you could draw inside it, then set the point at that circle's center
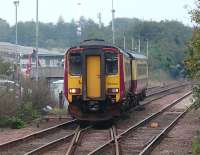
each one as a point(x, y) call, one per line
point(37, 36)
point(113, 22)
point(16, 3)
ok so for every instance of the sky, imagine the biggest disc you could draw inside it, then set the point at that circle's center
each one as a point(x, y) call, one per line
point(51, 10)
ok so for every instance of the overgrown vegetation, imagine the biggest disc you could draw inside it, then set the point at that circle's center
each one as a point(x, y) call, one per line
point(5, 67)
point(193, 59)
point(196, 146)
point(16, 111)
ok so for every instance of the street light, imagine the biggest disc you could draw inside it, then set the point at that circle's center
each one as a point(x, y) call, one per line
point(16, 3)
point(37, 36)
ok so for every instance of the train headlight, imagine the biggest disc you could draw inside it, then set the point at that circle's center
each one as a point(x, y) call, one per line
point(74, 90)
point(113, 90)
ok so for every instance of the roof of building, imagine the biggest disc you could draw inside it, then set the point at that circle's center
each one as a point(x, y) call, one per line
point(27, 50)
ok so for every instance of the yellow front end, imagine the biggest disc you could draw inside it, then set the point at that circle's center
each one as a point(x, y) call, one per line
point(93, 86)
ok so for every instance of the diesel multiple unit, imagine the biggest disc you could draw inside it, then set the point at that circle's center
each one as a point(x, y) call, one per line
point(100, 80)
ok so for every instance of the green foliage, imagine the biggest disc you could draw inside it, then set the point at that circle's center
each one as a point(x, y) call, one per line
point(167, 38)
point(196, 146)
point(13, 122)
point(5, 67)
point(17, 123)
point(27, 113)
point(196, 95)
point(5, 122)
point(192, 61)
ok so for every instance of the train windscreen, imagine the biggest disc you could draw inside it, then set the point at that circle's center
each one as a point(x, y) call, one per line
point(111, 62)
point(75, 63)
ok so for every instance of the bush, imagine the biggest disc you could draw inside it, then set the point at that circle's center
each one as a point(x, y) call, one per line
point(37, 93)
point(17, 123)
point(5, 122)
point(196, 96)
point(27, 113)
point(8, 105)
point(14, 122)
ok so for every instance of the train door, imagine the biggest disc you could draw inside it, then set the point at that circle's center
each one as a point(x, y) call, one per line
point(93, 76)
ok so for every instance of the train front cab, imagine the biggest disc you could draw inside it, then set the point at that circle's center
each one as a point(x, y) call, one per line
point(92, 82)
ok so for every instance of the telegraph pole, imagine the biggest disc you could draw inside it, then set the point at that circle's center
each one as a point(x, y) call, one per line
point(139, 46)
point(113, 22)
point(124, 41)
point(147, 48)
point(132, 44)
point(148, 59)
point(100, 22)
point(16, 3)
point(36, 43)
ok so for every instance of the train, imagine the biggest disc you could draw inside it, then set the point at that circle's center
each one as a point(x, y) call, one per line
point(101, 80)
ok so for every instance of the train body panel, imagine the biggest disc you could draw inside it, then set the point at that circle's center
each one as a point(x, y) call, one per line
point(101, 78)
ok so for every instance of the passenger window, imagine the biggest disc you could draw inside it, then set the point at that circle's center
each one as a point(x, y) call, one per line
point(111, 62)
point(75, 63)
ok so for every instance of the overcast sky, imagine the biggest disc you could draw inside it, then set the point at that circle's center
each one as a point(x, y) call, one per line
point(50, 10)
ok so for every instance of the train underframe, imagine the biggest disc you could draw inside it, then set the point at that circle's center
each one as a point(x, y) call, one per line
point(94, 110)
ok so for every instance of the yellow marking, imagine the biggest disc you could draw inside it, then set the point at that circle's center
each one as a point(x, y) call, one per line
point(93, 77)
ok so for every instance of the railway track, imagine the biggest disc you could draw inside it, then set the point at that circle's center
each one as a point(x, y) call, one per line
point(165, 86)
point(69, 138)
point(165, 89)
point(38, 141)
point(160, 94)
point(131, 141)
point(87, 140)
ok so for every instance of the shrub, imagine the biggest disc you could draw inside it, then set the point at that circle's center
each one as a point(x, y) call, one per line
point(14, 122)
point(196, 96)
point(196, 146)
point(8, 105)
point(38, 93)
point(4, 122)
point(26, 112)
point(17, 123)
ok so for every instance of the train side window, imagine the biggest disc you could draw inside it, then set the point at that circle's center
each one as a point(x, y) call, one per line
point(75, 63)
point(111, 62)
point(142, 69)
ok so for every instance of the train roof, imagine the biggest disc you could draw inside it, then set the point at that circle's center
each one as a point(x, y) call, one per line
point(134, 55)
point(97, 43)
point(94, 43)
point(102, 43)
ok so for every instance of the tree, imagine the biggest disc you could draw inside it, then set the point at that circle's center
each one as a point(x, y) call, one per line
point(193, 59)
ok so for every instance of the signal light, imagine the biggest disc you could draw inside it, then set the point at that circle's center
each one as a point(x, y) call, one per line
point(74, 90)
point(113, 90)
